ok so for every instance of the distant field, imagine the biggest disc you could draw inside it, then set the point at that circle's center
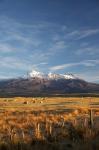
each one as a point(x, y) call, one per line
point(49, 103)
point(49, 123)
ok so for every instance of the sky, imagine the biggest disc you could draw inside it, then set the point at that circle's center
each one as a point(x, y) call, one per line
point(58, 36)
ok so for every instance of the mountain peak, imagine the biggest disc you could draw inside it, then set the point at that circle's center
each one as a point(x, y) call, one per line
point(42, 84)
point(70, 76)
point(37, 74)
point(51, 76)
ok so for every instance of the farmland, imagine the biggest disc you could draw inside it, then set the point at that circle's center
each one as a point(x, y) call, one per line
point(49, 123)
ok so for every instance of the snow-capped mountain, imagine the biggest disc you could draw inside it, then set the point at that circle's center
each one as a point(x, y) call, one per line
point(54, 76)
point(70, 76)
point(34, 74)
point(40, 84)
point(51, 76)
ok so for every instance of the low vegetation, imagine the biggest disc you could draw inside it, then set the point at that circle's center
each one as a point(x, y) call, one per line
point(49, 123)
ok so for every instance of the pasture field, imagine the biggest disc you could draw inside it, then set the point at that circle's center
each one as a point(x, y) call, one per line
point(49, 123)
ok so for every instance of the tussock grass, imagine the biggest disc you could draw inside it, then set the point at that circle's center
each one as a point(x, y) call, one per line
point(26, 129)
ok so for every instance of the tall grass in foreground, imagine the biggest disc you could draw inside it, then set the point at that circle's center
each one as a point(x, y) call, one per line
point(78, 130)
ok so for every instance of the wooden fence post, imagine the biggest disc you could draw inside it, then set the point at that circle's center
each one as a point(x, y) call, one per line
point(91, 123)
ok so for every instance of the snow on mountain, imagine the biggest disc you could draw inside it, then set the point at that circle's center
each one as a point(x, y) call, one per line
point(70, 76)
point(54, 76)
point(35, 74)
point(61, 76)
point(51, 76)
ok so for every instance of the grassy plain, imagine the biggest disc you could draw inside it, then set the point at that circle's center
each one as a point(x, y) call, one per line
point(49, 123)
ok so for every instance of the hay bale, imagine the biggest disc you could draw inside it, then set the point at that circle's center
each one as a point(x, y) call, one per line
point(26, 102)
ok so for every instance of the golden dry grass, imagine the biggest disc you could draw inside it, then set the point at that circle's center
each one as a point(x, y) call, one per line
point(56, 122)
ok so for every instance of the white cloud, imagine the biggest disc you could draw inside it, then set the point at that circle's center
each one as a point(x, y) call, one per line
point(91, 76)
point(87, 33)
point(7, 48)
point(81, 33)
point(28, 48)
point(87, 50)
point(57, 47)
point(86, 63)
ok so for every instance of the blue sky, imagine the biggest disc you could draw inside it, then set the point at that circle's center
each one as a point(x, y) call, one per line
point(60, 36)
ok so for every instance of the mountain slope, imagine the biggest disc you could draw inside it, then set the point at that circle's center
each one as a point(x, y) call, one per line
point(41, 84)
